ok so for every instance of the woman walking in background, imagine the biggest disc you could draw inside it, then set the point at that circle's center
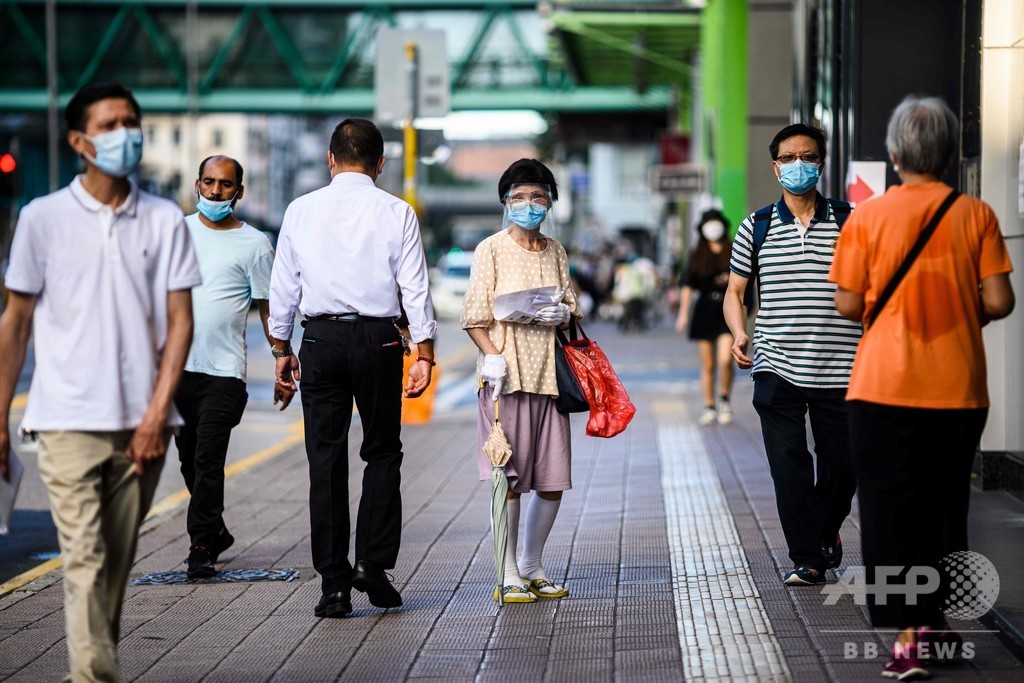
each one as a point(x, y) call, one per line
point(517, 368)
point(708, 276)
point(918, 393)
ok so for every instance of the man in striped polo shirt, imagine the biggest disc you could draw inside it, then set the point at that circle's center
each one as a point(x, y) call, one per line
point(803, 351)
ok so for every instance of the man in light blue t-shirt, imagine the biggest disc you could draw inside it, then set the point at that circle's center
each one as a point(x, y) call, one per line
point(236, 261)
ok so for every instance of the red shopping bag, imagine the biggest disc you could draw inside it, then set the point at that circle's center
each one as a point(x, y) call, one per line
point(610, 407)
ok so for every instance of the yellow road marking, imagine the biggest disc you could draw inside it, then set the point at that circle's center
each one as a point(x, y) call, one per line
point(173, 500)
point(31, 575)
point(170, 502)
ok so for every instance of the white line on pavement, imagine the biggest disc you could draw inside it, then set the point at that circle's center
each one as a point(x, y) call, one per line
point(724, 631)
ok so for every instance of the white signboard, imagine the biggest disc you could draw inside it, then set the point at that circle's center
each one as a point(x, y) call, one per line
point(864, 180)
point(391, 76)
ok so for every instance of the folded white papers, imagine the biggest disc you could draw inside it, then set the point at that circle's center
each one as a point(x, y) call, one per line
point(9, 491)
point(521, 307)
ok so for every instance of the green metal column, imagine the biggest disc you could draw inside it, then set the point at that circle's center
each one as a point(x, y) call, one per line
point(724, 93)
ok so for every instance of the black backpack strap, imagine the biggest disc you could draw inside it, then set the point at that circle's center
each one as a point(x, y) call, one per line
point(761, 223)
point(841, 210)
point(912, 255)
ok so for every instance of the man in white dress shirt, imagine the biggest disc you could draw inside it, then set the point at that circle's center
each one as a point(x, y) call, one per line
point(236, 260)
point(102, 273)
point(345, 255)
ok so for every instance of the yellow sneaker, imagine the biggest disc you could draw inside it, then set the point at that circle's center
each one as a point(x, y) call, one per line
point(514, 593)
point(543, 588)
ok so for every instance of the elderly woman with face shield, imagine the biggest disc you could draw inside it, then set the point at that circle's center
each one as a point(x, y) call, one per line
point(517, 367)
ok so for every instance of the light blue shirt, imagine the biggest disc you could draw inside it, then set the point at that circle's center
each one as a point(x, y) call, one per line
point(236, 266)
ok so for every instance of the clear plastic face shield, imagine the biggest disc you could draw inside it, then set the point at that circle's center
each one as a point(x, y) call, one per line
point(528, 205)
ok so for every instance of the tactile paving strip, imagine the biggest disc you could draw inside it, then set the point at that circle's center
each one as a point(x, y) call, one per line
point(724, 631)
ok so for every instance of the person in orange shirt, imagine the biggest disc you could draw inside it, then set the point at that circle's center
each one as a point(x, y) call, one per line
point(918, 395)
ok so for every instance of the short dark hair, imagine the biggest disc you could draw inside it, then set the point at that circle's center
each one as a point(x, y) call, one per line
point(791, 131)
point(78, 106)
point(357, 142)
point(528, 171)
point(238, 166)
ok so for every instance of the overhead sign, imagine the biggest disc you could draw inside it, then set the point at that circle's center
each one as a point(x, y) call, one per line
point(391, 79)
point(864, 180)
point(679, 179)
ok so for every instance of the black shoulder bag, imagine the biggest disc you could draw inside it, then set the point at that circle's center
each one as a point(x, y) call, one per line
point(915, 251)
point(570, 395)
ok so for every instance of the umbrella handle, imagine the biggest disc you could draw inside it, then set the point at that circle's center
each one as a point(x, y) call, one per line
point(496, 410)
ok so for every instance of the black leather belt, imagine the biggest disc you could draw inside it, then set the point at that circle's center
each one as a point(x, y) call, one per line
point(351, 318)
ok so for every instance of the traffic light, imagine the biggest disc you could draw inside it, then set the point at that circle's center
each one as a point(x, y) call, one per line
point(9, 185)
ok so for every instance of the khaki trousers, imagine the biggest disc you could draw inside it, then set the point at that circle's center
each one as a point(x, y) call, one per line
point(98, 504)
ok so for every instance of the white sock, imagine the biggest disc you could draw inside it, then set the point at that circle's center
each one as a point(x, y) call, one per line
point(540, 517)
point(512, 577)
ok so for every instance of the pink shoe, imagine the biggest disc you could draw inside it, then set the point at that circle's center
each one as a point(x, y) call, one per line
point(904, 665)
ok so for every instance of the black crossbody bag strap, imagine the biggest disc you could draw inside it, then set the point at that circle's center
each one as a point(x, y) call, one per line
point(901, 272)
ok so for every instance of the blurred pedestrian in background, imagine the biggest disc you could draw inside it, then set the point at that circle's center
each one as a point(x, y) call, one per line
point(803, 351)
point(100, 274)
point(708, 275)
point(345, 255)
point(517, 367)
point(918, 394)
point(236, 260)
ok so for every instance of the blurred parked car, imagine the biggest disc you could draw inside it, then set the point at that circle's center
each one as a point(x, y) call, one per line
point(449, 283)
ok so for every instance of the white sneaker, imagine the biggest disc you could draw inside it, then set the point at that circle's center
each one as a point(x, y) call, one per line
point(724, 413)
point(707, 417)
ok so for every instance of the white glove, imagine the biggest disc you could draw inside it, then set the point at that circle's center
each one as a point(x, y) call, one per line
point(552, 316)
point(493, 373)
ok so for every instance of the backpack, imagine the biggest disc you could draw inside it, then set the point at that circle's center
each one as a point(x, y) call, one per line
point(762, 222)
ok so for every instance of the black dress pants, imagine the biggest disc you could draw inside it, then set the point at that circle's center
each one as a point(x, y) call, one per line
point(812, 504)
point(211, 407)
point(914, 486)
point(340, 361)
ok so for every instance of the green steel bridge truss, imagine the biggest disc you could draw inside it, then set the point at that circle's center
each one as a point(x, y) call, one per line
point(310, 56)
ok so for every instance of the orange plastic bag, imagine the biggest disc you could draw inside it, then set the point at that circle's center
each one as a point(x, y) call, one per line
point(610, 407)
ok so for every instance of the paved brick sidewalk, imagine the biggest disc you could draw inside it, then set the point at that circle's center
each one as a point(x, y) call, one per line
point(614, 544)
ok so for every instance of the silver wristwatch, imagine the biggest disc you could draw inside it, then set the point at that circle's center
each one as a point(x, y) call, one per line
point(282, 353)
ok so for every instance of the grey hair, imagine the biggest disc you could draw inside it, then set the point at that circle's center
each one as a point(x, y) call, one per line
point(923, 135)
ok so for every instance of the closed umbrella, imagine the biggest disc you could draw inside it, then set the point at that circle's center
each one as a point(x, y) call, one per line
point(498, 450)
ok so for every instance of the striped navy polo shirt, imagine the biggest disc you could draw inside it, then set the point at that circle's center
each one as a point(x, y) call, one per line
point(798, 334)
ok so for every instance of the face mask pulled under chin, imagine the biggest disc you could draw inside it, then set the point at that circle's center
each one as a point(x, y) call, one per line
point(214, 210)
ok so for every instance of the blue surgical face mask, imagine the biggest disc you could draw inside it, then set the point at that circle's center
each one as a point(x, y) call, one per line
point(214, 210)
point(118, 152)
point(529, 217)
point(799, 176)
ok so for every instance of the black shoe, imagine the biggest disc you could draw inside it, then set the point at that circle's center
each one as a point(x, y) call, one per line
point(200, 563)
point(333, 605)
point(224, 541)
point(804, 576)
point(375, 583)
point(833, 555)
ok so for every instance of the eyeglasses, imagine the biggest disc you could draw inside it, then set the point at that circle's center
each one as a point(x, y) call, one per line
point(790, 158)
point(519, 203)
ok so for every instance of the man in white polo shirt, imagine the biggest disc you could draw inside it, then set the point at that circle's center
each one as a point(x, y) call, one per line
point(102, 273)
point(236, 260)
point(803, 351)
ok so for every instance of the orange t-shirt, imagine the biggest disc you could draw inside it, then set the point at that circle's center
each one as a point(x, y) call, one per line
point(925, 349)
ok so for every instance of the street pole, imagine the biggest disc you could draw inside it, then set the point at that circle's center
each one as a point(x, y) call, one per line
point(410, 152)
point(192, 77)
point(52, 121)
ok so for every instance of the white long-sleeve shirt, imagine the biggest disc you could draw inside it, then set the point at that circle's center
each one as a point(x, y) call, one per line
point(350, 248)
